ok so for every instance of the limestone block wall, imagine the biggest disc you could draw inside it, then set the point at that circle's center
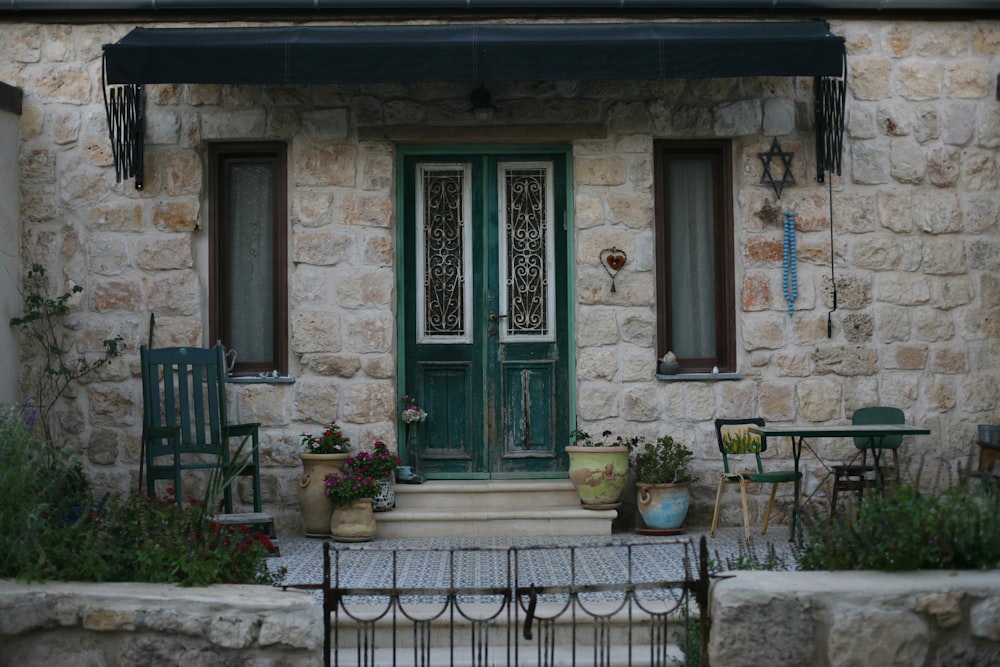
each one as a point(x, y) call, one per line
point(815, 619)
point(916, 244)
point(147, 624)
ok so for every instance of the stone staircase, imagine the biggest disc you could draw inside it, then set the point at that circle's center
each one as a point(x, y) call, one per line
point(491, 508)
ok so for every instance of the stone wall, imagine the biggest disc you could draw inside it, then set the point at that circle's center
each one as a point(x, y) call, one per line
point(812, 619)
point(916, 241)
point(816, 619)
point(157, 624)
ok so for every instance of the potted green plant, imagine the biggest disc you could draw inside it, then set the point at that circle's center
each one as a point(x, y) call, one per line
point(322, 453)
point(350, 495)
point(662, 477)
point(599, 468)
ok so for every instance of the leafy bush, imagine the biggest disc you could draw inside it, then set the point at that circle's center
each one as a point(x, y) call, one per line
point(663, 462)
point(50, 528)
point(42, 326)
point(152, 540)
point(903, 529)
point(39, 487)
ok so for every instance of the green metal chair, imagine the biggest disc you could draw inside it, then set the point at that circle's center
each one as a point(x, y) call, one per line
point(733, 439)
point(879, 414)
point(185, 426)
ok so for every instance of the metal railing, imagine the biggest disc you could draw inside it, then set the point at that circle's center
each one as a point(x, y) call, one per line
point(593, 604)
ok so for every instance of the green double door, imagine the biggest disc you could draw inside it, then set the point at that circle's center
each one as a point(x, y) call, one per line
point(484, 306)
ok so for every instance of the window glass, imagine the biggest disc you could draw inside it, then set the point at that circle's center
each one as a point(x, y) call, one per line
point(695, 286)
point(248, 303)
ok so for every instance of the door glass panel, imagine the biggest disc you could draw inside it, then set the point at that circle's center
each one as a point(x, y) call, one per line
point(525, 252)
point(443, 246)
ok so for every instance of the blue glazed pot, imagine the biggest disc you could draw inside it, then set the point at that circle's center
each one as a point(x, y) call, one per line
point(663, 506)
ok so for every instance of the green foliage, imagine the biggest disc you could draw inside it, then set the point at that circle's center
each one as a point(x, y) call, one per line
point(663, 462)
point(41, 323)
point(39, 484)
point(690, 643)
point(903, 529)
point(50, 527)
point(748, 558)
point(581, 438)
point(152, 540)
point(331, 441)
point(380, 463)
point(343, 488)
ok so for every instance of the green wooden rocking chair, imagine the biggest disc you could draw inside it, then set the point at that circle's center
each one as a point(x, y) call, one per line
point(185, 426)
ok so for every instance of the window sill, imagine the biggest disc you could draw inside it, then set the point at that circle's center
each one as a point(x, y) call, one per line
point(689, 377)
point(257, 379)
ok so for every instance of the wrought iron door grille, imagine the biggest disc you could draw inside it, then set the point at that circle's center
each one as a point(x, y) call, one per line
point(601, 605)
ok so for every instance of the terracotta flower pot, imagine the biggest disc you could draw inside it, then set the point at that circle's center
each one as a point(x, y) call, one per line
point(598, 473)
point(315, 507)
point(354, 523)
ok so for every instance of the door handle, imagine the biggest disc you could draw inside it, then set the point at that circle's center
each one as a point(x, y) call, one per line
point(496, 318)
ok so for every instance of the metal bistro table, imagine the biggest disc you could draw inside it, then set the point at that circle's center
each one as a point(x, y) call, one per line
point(799, 434)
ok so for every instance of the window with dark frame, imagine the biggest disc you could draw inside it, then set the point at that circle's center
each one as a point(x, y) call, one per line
point(695, 285)
point(248, 303)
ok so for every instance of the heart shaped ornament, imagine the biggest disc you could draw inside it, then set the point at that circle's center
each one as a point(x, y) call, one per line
point(613, 259)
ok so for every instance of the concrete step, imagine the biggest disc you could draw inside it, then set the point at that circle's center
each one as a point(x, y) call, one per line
point(526, 656)
point(491, 508)
point(486, 494)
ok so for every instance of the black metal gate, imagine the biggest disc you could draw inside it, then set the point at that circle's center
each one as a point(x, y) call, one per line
point(594, 604)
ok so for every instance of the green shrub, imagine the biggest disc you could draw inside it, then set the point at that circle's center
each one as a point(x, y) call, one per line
point(42, 327)
point(50, 527)
point(903, 529)
point(152, 540)
point(39, 486)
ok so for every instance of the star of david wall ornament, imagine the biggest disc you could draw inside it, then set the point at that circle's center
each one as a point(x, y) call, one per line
point(783, 160)
point(613, 259)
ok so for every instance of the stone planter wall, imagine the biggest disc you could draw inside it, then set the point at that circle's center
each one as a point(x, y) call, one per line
point(156, 624)
point(814, 619)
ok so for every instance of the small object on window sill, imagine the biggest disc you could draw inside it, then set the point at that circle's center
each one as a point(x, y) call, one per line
point(715, 370)
point(261, 378)
point(699, 377)
point(669, 365)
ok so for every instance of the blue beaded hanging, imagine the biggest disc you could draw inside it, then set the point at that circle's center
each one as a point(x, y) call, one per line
point(789, 276)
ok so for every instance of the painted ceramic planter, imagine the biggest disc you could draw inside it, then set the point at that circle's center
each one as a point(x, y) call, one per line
point(386, 498)
point(313, 503)
point(598, 473)
point(663, 506)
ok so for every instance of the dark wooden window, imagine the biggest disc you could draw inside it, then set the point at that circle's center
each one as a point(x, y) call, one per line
point(248, 303)
point(694, 249)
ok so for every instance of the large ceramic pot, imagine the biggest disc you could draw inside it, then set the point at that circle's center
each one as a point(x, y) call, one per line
point(599, 474)
point(354, 523)
point(663, 506)
point(313, 503)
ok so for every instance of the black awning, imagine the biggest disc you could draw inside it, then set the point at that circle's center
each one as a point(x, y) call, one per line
point(474, 53)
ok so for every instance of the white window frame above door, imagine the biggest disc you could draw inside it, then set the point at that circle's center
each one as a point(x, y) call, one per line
point(502, 250)
point(469, 286)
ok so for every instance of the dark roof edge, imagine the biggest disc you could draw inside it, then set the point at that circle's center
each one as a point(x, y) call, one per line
point(702, 6)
